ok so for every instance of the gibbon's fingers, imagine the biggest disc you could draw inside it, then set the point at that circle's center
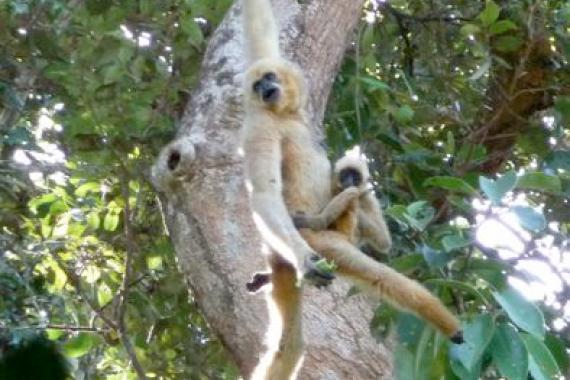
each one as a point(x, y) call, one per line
point(258, 281)
point(315, 222)
point(382, 281)
point(261, 31)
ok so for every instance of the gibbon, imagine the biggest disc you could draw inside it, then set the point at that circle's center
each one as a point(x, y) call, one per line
point(354, 215)
point(286, 171)
point(354, 211)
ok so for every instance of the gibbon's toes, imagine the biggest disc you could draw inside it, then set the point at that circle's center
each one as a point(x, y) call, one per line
point(258, 281)
point(457, 338)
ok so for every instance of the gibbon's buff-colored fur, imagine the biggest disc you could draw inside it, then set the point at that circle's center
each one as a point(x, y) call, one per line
point(354, 214)
point(287, 173)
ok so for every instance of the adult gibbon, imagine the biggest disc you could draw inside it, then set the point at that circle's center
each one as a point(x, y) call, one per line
point(286, 172)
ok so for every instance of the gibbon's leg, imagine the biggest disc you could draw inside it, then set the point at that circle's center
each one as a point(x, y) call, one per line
point(382, 281)
point(371, 224)
point(330, 213)
point(376, 234)
point(285, 353)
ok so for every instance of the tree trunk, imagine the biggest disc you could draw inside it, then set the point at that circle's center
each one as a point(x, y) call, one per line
point(200, 179)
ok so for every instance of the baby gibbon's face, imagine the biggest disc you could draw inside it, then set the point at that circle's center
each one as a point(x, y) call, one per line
point(348, 177)
point(275, 86)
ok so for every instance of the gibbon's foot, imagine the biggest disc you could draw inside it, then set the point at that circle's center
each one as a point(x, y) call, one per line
point(457, 338)
point(316, 275)
point(258, 281)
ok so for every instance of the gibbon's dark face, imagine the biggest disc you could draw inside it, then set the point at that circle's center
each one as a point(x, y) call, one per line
point(268, 88)
point(349, 177)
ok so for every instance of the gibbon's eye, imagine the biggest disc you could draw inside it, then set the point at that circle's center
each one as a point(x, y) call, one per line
point(349, 177)
point(272, 77)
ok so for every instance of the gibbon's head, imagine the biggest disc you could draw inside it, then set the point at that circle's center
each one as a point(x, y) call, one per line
point(351, 170)
point(277, 85)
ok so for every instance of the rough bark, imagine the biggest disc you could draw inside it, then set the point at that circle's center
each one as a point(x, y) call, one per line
point(207, 210)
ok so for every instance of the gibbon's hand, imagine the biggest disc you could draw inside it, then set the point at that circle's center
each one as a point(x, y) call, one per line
point(309, 221)
point(258, 281)
point(314, 275)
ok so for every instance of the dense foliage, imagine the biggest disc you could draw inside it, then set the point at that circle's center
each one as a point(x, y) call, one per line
point(463, 106)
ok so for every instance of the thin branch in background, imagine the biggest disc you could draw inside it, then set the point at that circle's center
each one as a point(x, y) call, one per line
point(124, 292)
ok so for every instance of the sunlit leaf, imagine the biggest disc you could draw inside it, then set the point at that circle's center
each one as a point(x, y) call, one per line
point(522, 312)
point(452, 242)
point(529, 218)
point(495, 190)
point(79, 345)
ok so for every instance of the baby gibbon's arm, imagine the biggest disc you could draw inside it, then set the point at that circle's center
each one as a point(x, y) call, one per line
point(371, 224)
point(263, 168)
point(330, 213)
point(261, 31)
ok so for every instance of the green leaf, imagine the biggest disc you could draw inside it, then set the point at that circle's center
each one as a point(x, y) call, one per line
point(490, 14)
point(509, 353)
point(93, 187)
point(53, 334)
point(540, 181)
point(404, 363)
point(79, 345)
point(111, 221)
point(154, 261)
point(435, 258)
point(91, 274)
point(451, 184)
point(419, 214)
point(457, 285)
point(502, 26)
point(529, 218)
point(557, 348)
point(522, 312)
point(562, 106)
point(93, 220)
point(191, 28)
point(453, 242)
point(541, 362)
point(374, 84)
point(403, 114)
point(469, 30)
point(559, 159)
point(104, 294)
point(477, 334)
point(508, 44)
point(495, 190)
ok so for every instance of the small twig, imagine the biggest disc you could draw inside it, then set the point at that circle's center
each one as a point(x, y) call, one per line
point(124, 292)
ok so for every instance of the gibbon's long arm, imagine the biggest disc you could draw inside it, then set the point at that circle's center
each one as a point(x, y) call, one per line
point(330, 213)
point(382, 281)
point(263, 167)
point(261, 30)
point(371, 224)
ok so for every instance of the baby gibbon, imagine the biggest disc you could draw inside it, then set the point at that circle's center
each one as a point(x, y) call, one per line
point(354, 211)
point(355, 214)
